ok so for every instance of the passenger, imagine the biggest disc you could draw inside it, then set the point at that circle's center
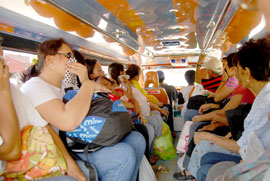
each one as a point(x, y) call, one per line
point(17, 112)
point(228, 82)
point(172, 94)
point(153, 117)
point(116, 72)
point(190, 90)
point(94, 68)
point(214, 69)
point(134, 71)
point(254, 75)
point(118, 162)
point(214, 72)
point(129, 105)
point(170, 90)
point(225, 89)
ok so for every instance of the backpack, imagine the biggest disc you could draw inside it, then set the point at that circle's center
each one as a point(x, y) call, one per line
point(106, 123)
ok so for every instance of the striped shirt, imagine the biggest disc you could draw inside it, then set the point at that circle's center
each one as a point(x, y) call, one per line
point(232, 83)
point(211, 84)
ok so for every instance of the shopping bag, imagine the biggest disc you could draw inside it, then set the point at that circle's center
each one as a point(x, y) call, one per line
point(146, 172)
point(163, 145)
point(182, 143)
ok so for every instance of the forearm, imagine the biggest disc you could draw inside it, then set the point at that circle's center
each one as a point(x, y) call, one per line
point(77, 108)
point(198, 70)
point(128, 105)
point(204, 117)
point(154, 107)
point(219, 94)
point(221, 118)
point(198, 75)
point(225, 143)
point(9, 129)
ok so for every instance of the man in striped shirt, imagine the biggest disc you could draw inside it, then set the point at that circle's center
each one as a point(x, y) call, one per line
point(214, 69)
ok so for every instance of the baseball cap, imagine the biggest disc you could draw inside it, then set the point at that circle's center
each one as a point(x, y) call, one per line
point(212, 63)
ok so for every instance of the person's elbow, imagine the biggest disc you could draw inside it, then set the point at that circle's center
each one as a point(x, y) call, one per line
point(70, 125)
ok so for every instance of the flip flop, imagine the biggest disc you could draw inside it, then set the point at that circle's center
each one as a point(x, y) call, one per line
point(180, 176)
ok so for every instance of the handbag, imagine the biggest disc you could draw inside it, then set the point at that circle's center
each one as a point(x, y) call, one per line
point(40, 157)
point(195, 102)
point(182, 143)
point(146, 172)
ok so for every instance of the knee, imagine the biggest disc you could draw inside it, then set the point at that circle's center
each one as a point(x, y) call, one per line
point(151, 131)
point(126, 155)
point(139, 140)
point(202, 172)
point(207, 158)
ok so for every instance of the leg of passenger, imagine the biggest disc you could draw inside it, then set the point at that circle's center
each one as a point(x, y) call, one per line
point(157, 115)
point(136, 140)
point(151, 135)
point(211, 158)
point(170, 116)
point(113, 163)
point(193, 128)
point(201, 149)
point(148, 134)
point(190, 113)
point(202, 172)
point(153, 121)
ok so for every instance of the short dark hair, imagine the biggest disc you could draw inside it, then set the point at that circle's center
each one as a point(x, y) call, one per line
point(161, 76)
point(114, 71)
point(133, 70)
point(90, 65)
point(190, 77)
point(79, 57)
point(231, 60)
point(255, 55)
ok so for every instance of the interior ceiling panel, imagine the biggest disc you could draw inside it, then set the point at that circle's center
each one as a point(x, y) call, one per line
point(125, 29)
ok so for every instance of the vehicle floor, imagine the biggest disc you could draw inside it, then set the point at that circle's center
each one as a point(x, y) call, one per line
point(170, 164)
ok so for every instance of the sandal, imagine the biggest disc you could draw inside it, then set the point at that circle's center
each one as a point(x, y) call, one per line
point(153, 159)
point(182, 176)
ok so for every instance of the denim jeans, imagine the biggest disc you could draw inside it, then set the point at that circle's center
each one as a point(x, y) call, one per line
point(209, 159)
point(118, 162)
point(202, 148)
point(190, 113)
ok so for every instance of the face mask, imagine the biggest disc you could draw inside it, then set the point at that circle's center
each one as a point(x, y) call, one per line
point(70, 78)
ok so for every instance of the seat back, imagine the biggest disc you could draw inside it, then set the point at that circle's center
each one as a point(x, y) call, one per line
point(151, 77)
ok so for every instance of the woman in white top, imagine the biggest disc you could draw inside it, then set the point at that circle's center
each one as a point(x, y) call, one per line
point(118, 162)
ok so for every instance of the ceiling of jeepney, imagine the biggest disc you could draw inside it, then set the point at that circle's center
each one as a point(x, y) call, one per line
point(122, 30)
